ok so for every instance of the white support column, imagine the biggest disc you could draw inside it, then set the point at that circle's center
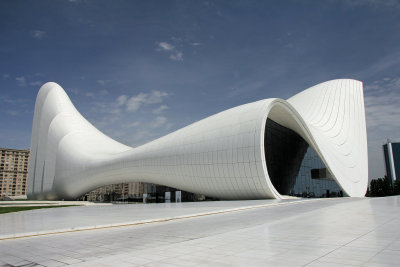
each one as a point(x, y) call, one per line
point(391, 161)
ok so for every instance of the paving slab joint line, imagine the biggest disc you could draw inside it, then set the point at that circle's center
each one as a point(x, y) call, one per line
point(354, 239)
point(157, 220)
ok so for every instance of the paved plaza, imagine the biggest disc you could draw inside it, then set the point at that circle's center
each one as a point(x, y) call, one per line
point(318, 232)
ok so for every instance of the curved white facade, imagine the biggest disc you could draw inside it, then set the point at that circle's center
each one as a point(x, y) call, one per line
point(220, 156)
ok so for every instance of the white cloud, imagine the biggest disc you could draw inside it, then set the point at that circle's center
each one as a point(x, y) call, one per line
point(6, 76)
point(101, 82)
point(114, 111)
point(21, 81)
point(121, 100)
point(133, 124)
point(381, 66)
point(38, 34)
point(135, 102)
point(174, 54)
point(106, 108)
point(160, 109)
point(132, 130)
point(164, 46)
point(75, 91)
point(381, 104)
point(381, 111)
point(37, 83)
point(103, 92)
point(245, 87)
point(13, 101)
point(158, 121)
point(90, 94)
point(178, 56)
point(12, 112)
point(156, 97)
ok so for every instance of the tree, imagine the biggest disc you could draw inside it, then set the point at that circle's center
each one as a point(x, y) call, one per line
point(381, 187)
point(396, 187)
point(368, 193)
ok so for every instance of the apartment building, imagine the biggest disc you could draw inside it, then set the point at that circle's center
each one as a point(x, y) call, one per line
point(13, 172)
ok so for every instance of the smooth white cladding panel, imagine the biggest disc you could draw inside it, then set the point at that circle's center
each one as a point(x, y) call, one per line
point(221, 156)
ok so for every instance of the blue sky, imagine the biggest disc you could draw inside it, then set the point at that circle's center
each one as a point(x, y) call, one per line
point(138, 70)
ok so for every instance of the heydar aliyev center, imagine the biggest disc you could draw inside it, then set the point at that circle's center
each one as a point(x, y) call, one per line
point(258, 150)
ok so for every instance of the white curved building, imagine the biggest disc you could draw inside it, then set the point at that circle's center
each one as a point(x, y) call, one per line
point(251, 151)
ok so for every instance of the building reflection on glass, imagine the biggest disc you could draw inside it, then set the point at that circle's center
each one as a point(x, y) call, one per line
point(294, 167)
point(313, 179)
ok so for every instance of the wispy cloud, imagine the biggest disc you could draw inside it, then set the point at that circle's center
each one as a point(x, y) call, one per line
point(101, 82)
point(12, 112)
point(105, 108)
point(115, 117)
point(164, 46)
point(381, 96)
point(156, 97)
point(245, 87)
point(21, 81)
point(121, 100)
point(174, 53)
point(383, 65)
point(13, 101)
point(75, 91)
point(160, 109)
point(92, 94)
point(178, 56)
point(37, 34)
point(158, 122)
point(36, 83)
point(6, 76)
point(133, 124)
point(382, 100)
point(135, 102)
point(103, 92)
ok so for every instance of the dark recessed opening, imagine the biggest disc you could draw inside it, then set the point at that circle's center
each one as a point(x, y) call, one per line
point(284, 152)
point(294, 167)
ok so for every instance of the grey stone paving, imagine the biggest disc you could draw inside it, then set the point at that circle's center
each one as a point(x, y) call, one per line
point(47, 221)
point(333, 232)
point(28, 203)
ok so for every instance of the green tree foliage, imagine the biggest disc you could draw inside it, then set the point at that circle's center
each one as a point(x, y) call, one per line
point(381, 187)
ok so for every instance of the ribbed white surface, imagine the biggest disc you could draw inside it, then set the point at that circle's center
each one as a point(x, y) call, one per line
point(220, 156)
point(334, 113)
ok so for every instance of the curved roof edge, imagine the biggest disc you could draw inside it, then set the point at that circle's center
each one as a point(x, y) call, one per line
point(220, 156)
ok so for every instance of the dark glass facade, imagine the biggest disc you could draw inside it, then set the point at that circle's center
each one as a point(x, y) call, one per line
point(294, 167)
point(308, 186)
point(395, 150)
point(387, 161)
point(396, 158)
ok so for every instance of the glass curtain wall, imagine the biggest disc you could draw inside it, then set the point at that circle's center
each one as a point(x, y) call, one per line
point(294, 167)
